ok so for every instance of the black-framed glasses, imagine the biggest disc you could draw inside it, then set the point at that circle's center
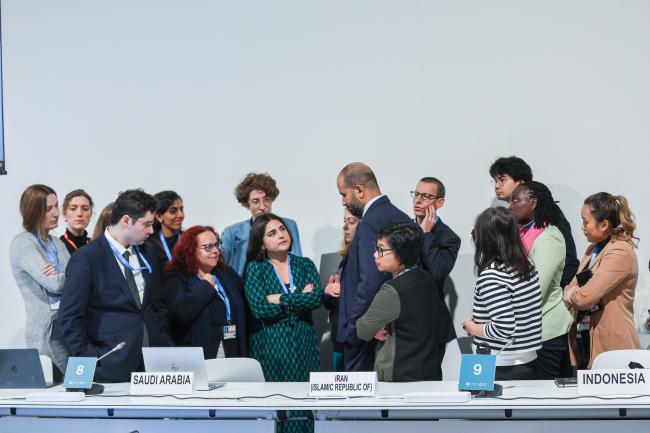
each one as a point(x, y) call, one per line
point(381, 250)
point(211, 247)
point(424, 196)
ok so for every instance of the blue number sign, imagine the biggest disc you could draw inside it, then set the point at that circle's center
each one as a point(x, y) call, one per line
point(477, 373)
point(80, 372)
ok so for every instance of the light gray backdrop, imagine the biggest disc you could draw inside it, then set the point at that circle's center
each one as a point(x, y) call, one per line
point(190, 95)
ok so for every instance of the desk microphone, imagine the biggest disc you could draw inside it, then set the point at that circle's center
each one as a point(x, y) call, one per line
point(115, 349)
point(498, 389)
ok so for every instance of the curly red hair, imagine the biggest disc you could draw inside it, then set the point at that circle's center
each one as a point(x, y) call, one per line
point(184, 253)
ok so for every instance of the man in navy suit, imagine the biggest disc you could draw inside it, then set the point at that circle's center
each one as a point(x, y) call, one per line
point(360, 278)
point(112, 292)
point(439, 252)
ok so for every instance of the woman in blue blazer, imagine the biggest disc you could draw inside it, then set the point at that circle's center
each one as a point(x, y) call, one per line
point(204, 297)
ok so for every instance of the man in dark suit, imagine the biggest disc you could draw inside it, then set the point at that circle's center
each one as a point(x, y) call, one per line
point(112, 292)
point(439, 252)
point(360, 278)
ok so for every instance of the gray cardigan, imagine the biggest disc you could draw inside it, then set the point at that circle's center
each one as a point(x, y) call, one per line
point(27, 262)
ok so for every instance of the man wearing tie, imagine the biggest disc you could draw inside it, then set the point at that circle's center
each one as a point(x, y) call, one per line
point(114, 292)
point(360, 278)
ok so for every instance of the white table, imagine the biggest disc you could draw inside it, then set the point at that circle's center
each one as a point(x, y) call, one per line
point(534, 406)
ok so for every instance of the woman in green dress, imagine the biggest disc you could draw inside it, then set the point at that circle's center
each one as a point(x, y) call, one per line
point(282, 290)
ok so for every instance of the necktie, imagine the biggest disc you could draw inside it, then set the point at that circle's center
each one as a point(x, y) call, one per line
point(133, 287)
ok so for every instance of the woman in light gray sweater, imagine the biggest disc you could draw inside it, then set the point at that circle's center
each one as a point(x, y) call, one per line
point(38, 263)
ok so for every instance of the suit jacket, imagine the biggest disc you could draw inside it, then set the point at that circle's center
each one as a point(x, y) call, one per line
point(360, 278)
point(98, 311)
point(439, 253)
point(235, 243)
point(194, 307)
point(613, 283)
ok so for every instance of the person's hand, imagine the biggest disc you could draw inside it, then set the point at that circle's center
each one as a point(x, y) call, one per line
point(274, 299)
point(429, 219)
point(207, 277)
point(308, 288)
point(49, 270)
point(333, 287)
point(381, 334)
point(472, 328)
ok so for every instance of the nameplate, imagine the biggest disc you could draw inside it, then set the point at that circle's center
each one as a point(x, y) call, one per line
point(353, 384)
point(614, 382)
point(176, 382)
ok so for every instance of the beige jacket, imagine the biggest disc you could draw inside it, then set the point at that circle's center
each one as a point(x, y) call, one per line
point(615, 274)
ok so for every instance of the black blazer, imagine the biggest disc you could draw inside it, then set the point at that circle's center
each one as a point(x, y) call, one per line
point(360, 278)
point(98, 311)
point(571, 261)
point(194, 308)
point(439, 253)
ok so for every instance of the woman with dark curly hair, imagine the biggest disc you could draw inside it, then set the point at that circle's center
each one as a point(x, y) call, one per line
point(204, 296)
point(256, 192)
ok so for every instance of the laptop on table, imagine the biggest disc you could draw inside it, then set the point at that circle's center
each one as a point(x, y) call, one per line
point(170, 359)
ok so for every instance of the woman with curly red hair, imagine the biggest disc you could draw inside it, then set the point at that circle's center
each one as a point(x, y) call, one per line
point(204, 296)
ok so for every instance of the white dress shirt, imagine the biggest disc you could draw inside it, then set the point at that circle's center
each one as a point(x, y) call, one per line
point(133, 261)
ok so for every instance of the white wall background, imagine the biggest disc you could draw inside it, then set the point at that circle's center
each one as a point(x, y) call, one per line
point(191, 95)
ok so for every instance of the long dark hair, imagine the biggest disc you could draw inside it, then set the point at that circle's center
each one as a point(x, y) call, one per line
point(255, 251)
point(547, 212)
point(496, 238)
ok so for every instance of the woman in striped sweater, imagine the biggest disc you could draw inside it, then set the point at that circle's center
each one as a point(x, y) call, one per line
point(507, 313)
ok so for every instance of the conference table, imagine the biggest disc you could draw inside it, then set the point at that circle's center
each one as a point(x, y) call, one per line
point(525, 406)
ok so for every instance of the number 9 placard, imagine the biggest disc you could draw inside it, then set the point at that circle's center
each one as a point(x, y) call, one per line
point(477, 373)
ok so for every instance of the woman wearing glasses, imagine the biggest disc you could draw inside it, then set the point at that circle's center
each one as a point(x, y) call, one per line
point(282, 290)
point(204, 297)
point(256, 192)
point(38, 262)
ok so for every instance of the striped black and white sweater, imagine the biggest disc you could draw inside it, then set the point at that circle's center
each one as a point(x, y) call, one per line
point(511, 308)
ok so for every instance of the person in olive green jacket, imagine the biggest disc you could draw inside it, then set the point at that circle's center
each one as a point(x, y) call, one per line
point(533, 206)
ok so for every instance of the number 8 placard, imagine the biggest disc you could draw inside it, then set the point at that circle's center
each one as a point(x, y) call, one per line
point(79, 373)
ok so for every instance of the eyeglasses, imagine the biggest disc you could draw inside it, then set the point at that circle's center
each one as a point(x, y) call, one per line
point(211, 247)
point(381, 250)
point(424, 196)
point(256, 202)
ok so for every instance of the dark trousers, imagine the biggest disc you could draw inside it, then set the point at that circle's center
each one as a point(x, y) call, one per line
point(440, 357)
point(551, 357)
point(359, 357)
point(516, 372)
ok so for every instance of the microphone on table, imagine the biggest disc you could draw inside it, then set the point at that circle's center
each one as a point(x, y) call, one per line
point(485, 350)
point(115, 349)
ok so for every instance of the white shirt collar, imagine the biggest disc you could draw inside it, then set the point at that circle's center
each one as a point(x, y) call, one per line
point(367, 206)
point(118, 246)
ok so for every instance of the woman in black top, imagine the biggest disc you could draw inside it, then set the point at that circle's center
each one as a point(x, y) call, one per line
point(204, 297)
point(169, 214)
point(77, 210)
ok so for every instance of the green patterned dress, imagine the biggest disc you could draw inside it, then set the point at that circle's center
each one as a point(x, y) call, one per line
point(282, 337)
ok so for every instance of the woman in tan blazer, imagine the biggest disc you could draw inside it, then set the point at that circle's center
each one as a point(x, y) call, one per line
point(601, 296)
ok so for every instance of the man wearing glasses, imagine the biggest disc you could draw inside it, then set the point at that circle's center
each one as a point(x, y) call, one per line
point(112, 292)
point(256, 192)
point(440, 250)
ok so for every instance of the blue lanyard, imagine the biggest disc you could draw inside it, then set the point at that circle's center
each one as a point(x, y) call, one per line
point(292, 287)
point(128, 265)
point(594, 254)
point(222, 294)
point(165, 246)
point(52, 257)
